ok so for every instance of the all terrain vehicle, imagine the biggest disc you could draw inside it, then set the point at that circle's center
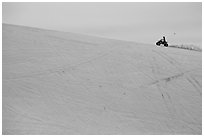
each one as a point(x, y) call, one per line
point(162, 41)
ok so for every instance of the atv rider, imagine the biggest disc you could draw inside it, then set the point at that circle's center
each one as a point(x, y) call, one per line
point(164, 40)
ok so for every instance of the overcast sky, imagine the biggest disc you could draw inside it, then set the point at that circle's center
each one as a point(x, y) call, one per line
point(181, 23)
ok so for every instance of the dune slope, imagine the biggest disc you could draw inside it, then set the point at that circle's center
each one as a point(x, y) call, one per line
point(65, 83)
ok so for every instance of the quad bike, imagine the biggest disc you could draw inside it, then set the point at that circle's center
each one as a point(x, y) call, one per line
point(162, 41)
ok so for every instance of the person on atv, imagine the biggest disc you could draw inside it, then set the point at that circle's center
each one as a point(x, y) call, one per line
point(162, 41)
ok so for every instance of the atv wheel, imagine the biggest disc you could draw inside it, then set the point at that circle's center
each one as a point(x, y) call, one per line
point(158, 43)
point(166, 45)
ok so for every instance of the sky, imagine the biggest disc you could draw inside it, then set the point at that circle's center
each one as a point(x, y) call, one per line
point(146, 22)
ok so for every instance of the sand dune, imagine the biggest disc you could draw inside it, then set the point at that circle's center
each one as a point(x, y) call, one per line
point(65, 83)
